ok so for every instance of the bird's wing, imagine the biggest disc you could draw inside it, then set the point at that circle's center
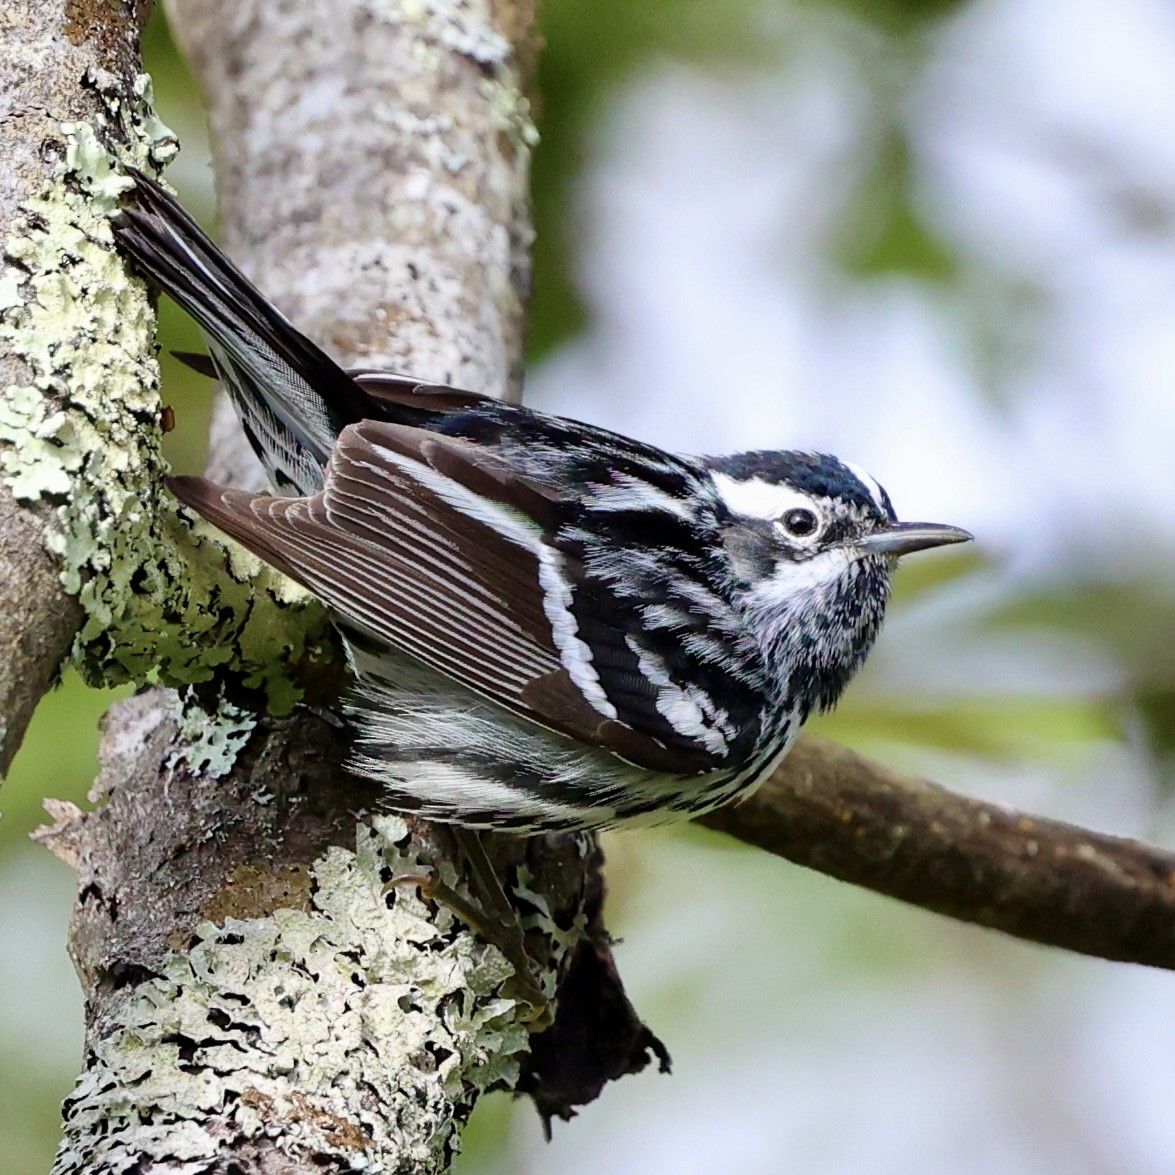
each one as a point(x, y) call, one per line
point(394, 392)
point(444, 551)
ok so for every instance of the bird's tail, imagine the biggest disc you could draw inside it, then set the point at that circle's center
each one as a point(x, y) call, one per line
point(292, 398)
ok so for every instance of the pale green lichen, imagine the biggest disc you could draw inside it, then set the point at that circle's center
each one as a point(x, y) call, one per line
point(562, 940)
point(511, 110)
point(350, 1034)
point(210, 739)
point(161, 604)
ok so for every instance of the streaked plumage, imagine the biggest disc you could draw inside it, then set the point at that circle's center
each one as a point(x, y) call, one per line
point(551, 625)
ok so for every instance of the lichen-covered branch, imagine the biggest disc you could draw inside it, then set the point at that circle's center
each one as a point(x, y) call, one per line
point(260, 996)
point(832, 810)
point(257, 998)
point(52, 67)
point(97, 563)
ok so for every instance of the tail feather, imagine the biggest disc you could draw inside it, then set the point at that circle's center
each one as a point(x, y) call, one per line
point(198, 362)
point(292, 399)
point(232, 511)
point(280, 380)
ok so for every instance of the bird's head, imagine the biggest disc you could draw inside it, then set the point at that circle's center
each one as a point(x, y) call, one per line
point(812, 542)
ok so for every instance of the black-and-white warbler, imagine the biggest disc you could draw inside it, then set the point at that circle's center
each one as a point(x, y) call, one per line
point(551, 626)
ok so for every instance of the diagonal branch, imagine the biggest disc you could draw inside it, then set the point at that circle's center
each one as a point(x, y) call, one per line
point(1049, 882)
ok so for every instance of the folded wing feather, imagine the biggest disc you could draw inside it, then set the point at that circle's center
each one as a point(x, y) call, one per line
point(434, 545)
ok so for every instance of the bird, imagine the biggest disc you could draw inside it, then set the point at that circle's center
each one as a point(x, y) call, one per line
point(550, 626)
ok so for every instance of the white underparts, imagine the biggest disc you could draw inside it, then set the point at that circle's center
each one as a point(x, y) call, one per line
point(424, 737)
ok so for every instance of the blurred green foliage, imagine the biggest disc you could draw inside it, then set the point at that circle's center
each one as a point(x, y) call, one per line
point(884, 231)
point(901, 18)
point(1131, 620)
point(589, 51)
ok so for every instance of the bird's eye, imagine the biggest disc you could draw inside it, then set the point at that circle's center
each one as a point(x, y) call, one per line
point(800, 523)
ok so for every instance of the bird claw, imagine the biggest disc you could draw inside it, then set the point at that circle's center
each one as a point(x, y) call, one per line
point(495, 922)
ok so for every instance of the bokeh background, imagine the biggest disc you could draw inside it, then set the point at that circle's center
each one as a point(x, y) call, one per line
point(938, 239)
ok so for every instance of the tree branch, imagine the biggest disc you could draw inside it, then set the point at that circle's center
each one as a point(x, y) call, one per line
point(96, 564)
point(53, 69)
point(256, 1001)
point(1042, 880)
point(377, 181)
point(257, 998)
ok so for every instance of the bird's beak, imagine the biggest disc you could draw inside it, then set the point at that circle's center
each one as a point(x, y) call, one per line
point(901, 538)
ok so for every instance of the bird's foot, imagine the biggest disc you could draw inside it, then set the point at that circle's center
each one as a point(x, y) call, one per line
point(490, 915)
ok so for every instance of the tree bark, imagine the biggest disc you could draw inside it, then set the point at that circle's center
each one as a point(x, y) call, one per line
point(259, 998)
point(59, 67)
point(1042, 880)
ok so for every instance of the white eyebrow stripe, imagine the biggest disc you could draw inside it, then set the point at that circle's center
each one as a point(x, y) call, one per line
point(755, 498)
point(871, 484)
